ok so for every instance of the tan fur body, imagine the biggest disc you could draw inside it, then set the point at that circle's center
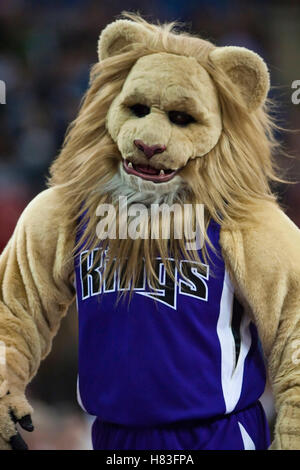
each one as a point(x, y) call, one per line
point(224, 161)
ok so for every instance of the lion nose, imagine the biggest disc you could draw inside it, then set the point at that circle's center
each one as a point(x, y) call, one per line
point(149, 150)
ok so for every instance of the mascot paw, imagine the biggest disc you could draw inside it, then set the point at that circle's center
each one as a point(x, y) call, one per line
point(14, 409)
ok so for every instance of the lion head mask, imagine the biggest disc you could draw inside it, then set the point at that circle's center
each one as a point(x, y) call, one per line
point(168, 117)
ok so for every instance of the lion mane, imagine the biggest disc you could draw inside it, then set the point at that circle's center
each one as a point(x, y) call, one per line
point(229, 180)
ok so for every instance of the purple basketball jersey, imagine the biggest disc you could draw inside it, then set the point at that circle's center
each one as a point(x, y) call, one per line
point(183, 351)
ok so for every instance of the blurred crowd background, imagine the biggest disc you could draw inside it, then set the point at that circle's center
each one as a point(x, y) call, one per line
point(46, 51)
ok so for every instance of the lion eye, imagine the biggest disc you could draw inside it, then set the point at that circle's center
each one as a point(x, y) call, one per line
point(140, 110)
point(180, 118)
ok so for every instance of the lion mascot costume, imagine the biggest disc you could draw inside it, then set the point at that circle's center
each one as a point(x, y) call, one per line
point(174, 343)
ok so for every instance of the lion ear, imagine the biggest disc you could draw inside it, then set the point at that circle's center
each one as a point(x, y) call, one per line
point(119, 34)
point(247, 71)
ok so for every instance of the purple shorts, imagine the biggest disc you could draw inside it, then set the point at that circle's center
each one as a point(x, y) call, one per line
point(243, 430)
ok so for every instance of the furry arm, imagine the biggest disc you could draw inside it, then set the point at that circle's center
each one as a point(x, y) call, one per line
point(35, 292)
point(264, 263)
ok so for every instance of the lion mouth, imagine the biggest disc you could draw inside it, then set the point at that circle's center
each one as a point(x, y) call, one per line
point(148, 172)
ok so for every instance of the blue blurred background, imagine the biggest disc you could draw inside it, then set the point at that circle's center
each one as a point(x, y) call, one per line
point(46, 50)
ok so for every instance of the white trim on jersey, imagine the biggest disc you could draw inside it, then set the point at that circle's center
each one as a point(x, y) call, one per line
point(231, 373)
point(79, 397)
point(247, 441)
